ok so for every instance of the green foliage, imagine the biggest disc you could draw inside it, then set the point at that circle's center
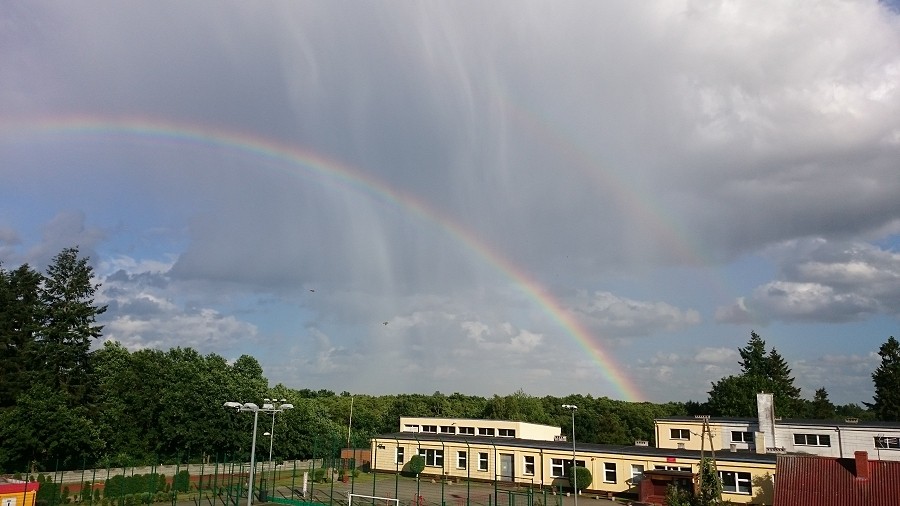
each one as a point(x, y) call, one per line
point(886, 377)
point(182, 481)
point(710, 492)
point(761, 371)
point(583, 477)
point(820, 408)
point(676, 496)
point(416, 464)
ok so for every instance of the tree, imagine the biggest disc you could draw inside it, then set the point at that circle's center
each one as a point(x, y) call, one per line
point(820, 408)
point(710, 490)
point(416, 464)
point(68, 326)
point(761, 371)
point(886, 377)
point(19, 321)
point(583, 476)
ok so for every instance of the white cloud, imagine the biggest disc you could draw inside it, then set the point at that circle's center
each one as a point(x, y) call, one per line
point(619, 316)
point(824, 282)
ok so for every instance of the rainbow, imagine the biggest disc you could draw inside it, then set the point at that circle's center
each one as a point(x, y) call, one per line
point(346, 176)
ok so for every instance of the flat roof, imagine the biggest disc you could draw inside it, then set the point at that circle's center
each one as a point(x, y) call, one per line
point(787, 421)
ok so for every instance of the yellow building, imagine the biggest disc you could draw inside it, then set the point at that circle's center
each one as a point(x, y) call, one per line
point(746, 476)
point(17, 492)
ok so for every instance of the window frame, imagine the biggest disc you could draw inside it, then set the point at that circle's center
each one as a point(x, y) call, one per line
point(434, 457)
point(887, 442)
point(680, 432)
point(820, 440)
point(462, 459)
point(506, 432)
point(744, 436)
point(739, 478)
point(466, 431)
point(557, 465)
point(528, 466)
point(486, 431)
point(609, 467)
point(483, 461)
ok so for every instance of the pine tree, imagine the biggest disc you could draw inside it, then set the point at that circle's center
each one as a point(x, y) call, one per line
point(63, 343)
point(761, 371)
point(19, 320)
point(886, 403)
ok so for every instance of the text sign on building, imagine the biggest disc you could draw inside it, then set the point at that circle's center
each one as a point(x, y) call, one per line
point(9, 501)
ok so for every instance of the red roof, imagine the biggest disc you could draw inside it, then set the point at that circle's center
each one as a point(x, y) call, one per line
point(807, 480)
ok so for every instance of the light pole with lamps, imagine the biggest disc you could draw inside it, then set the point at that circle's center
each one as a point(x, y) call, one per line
point(573, 408)
point(248, 406)
point(269, 407)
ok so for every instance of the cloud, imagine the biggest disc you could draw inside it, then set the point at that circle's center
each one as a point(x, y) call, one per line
point(823, 281)
point(619, 316)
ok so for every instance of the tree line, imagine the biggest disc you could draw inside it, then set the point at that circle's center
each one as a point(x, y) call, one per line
point(65, 404)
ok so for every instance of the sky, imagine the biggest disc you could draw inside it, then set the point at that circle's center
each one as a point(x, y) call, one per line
point(602, 198)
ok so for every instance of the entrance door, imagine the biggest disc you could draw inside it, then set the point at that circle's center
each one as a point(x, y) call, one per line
point(506, 467)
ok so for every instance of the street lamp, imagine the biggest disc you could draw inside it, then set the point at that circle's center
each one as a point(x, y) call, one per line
point(269, 407)
point(573, 408)
point(248, 406)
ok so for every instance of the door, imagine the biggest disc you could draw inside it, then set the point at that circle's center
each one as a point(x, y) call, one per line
point(506, 467)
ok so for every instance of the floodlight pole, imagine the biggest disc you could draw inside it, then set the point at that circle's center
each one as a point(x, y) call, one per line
point(249, 406)
point(573, 408)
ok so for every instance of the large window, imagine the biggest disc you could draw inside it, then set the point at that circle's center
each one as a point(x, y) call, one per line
point(683, 434)
point(461, 459)
point(609, 472)
point(411, 428)
point(506, 432)
point(637, 472)
point(812, 440)
point(433, 458)
point(467, 431)
point(883, 442)
point(560, 467)
point(448, 429)
point(430, 428)
point(483, 461)
point(529, 465)
point(485, 431)
point(735, 483)
point(741, 437)
point(399, 458)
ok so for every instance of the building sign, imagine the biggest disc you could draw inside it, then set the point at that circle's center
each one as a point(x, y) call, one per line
point(670, 459)
point(9, 501)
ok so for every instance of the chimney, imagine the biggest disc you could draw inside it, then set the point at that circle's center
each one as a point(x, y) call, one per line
point(862, 465)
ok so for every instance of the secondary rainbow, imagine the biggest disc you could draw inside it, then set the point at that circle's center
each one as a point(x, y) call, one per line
point(333, 170)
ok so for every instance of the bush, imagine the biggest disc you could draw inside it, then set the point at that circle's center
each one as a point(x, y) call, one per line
point(583, 477)
point(416, 464)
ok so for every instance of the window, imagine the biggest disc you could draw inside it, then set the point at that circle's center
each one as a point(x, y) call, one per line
point(609, 472)
point(483, 461)
point(637, 472)
point(461, 460)
point(433, 458)
point(485, 431)
point(411, 428)
point(507, 432)
point(448, 429)
point(735, 483)
point(467, 431)
point(560, 467)
point(741, 437)
point(672, 468)
point(429, 428)
point(529, 465)
point(883, 442)
point(812, 440)
point(399, 458)
point(680, 434)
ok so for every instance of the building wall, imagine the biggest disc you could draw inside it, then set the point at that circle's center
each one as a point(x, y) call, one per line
point(611, 472)
point(17, 493)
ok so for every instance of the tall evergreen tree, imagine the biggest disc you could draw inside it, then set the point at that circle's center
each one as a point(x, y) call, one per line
point(19, 321)
point(886, 404)
point(761, 371)
point(820, 408)
point(62, 347)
